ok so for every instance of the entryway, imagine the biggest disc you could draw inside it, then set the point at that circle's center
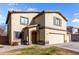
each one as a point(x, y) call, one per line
point(34, 37)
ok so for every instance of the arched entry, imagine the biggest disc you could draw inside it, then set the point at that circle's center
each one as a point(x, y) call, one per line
point(34, 37)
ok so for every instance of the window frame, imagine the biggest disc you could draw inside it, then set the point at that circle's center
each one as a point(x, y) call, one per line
point(55, 20)
point(24, 22)
point(16, 36)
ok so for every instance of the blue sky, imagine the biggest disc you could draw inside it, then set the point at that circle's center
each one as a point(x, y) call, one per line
point(69, 10)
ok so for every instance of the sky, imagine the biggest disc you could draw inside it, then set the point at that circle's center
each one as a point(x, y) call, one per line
point(69, 10)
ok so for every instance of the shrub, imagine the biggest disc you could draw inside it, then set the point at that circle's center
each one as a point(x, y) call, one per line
point(14, 43)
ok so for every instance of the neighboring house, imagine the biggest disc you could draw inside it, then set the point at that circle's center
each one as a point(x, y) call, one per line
point(74, 33)
point(27, 27)
point(3, 37)
point(1, 32)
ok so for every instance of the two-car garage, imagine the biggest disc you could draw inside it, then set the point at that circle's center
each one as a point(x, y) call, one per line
point(56, 38)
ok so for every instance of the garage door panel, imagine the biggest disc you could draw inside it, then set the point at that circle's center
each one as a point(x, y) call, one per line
point(56, 38)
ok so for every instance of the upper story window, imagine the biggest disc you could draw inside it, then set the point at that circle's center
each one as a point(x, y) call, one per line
point(24, 20)
point(57, 21)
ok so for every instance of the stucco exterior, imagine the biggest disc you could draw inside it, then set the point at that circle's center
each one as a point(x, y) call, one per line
point(14, 24)
point(41, 21)
point(56, 32)
point(49, 21)
point(9, 30)
point(61, 30)
point(41, 24)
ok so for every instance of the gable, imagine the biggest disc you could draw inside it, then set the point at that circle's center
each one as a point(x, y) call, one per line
point(18, 12)
point(62, 16)
point(58, 13)
point(46, 12)
point(49, 20)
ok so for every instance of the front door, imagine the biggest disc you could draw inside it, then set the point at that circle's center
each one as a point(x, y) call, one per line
point(34, 37)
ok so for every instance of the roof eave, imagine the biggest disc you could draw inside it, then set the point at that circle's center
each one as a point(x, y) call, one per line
point(9, 12)
point(7, 17)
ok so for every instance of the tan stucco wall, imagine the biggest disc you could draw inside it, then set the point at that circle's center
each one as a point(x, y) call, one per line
point(48, 31)
point(42, 34)
point(15, 22)
point(40, 20)
point(49, 21)
point(69, 37)
point(25, 35)
point(44, 20)
point(9, 30)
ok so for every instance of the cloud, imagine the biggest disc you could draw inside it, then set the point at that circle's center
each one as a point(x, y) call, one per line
point(15, 9)
point(12, 4)
point(76, 13)
point(2, 19)
point(31, 9)
point(75, 20)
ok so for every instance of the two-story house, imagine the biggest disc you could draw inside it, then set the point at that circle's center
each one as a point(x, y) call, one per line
point(31, 27)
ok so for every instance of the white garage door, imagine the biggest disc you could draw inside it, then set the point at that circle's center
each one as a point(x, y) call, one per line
point(56, 38)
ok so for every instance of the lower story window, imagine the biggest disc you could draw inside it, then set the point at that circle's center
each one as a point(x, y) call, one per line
point(18, 35)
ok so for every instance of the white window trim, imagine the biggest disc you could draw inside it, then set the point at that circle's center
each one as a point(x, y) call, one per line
point(24, 20)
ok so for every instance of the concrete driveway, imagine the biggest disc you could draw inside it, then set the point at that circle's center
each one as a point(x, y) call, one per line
point(74, 46)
